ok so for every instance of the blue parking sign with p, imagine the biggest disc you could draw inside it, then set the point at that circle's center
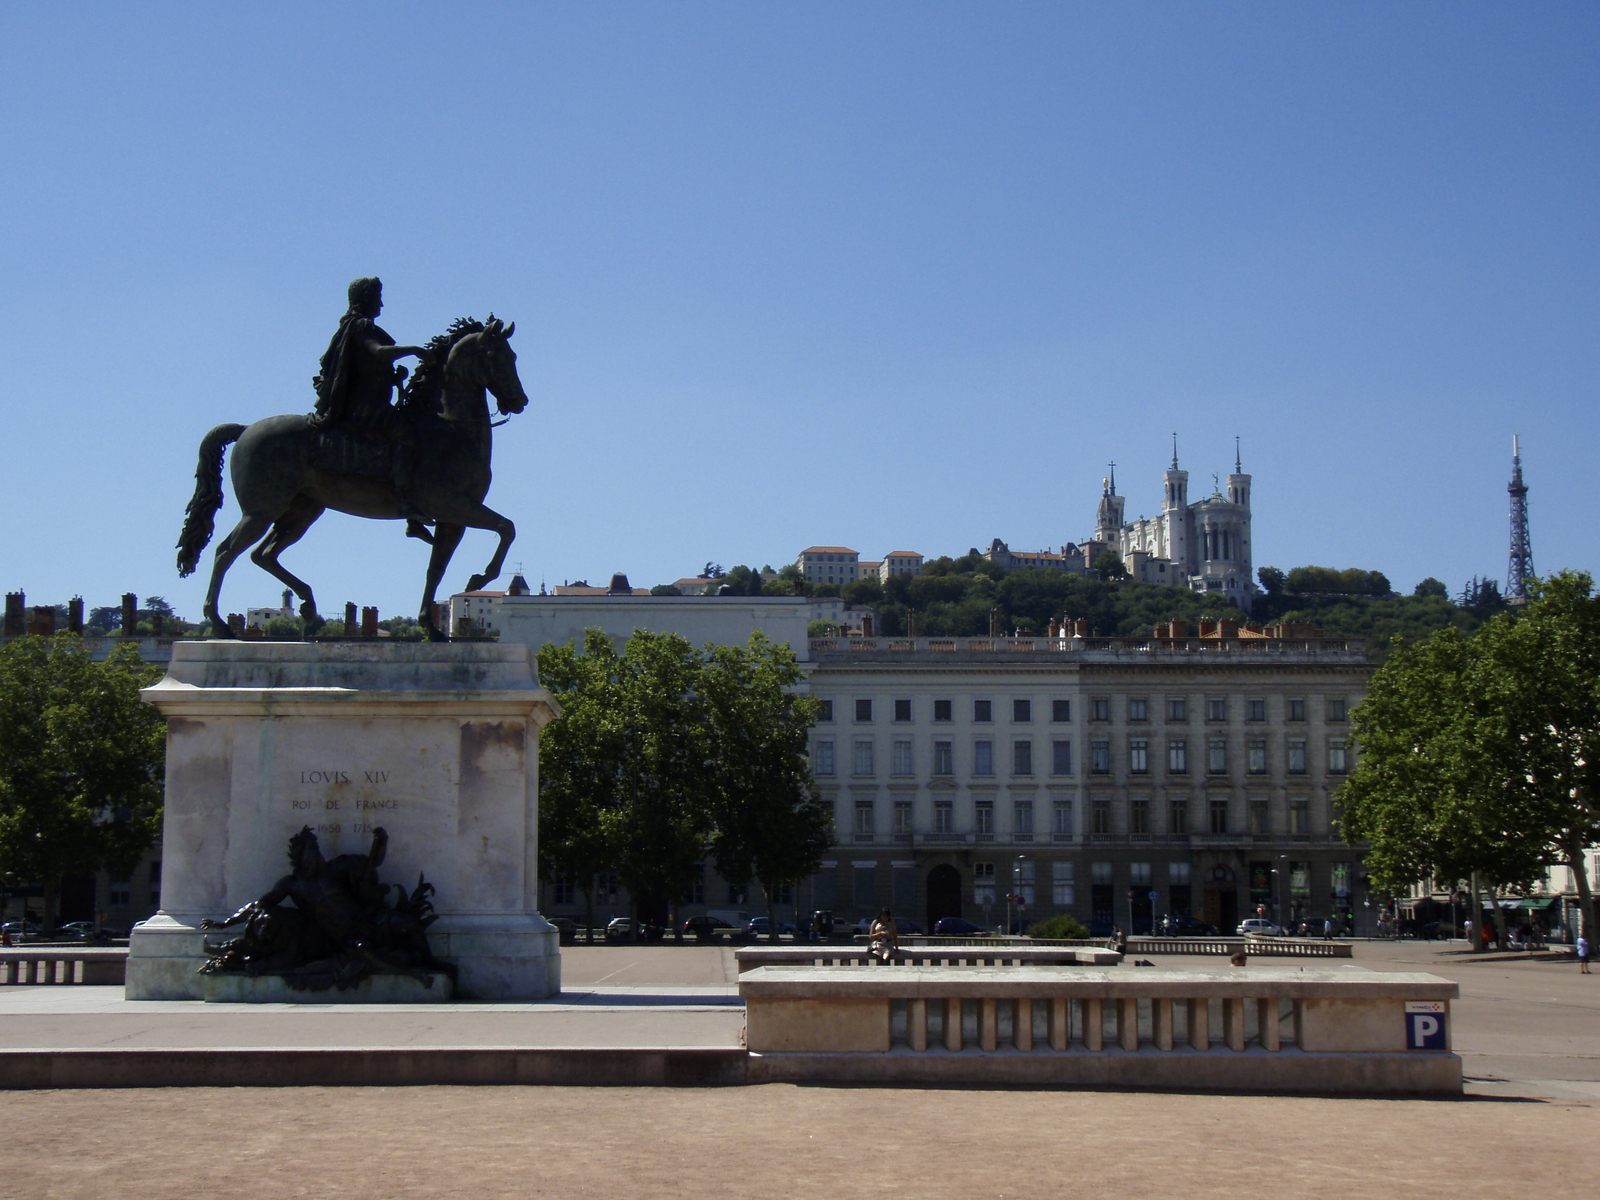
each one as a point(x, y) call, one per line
point(1425, 1025)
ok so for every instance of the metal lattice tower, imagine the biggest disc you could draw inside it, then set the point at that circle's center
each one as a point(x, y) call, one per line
point(1520, 567)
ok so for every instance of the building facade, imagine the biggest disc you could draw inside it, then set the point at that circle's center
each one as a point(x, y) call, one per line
point(899, 562)
point(830, 564)
point(1117, 781)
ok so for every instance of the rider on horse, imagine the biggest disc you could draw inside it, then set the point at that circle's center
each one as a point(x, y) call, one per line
point(358, 376)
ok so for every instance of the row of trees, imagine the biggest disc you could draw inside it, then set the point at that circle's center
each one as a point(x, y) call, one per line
point(1480, 755)
point(1352, 581)
point(81, 763)
point(666, 755)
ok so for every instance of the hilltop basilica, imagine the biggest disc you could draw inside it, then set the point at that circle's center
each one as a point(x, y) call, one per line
point(1204, 546)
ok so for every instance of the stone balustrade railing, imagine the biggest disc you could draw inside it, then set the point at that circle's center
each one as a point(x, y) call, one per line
point(1280, 947)
point(1275, 1024)
point(41, 965)
point(955, 649)
point(1272, 947)
point(926, 956)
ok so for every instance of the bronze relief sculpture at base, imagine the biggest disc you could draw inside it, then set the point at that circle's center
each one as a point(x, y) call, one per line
point(341, 928)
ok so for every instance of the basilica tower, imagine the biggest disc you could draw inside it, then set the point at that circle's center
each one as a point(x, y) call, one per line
point(1175, 513)
point(1108, 518)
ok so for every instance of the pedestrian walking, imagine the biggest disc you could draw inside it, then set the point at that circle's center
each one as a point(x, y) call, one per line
point(1583, 954)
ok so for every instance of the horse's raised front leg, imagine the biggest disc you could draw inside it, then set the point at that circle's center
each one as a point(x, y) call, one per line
point(290, 528)
point(446, 537)
point(243, 535)
point(481, 516)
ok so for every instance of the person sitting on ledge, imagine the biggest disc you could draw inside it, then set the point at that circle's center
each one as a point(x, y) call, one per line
point(883, 939)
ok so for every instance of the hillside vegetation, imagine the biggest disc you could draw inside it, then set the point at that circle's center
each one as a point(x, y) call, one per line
point(953, 597)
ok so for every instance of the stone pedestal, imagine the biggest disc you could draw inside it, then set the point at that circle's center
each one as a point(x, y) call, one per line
point(439, 744)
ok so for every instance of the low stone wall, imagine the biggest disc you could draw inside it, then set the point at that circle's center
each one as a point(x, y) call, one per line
point(925, 955)
point(1347, 1030)
point(42, 965)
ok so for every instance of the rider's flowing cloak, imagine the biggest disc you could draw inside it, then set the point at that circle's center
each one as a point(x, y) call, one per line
point(337, 404)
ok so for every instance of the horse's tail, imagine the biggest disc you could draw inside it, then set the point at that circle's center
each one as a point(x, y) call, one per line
point(202, 510)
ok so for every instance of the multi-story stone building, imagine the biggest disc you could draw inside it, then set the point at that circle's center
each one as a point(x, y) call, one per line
point(1114, 780)
point(899, 562)
point(830, 564)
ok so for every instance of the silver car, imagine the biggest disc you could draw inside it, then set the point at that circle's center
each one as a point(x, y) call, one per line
point(1259, 927)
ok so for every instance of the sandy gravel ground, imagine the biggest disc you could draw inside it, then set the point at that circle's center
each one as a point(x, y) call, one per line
point(782, 1141)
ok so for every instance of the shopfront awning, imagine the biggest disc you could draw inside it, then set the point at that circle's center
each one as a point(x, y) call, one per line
point(1532, 903)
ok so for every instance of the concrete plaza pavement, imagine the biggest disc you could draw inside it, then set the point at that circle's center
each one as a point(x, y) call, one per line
point(1528, 1028)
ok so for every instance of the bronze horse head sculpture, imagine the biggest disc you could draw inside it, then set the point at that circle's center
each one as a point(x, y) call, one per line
point(287, 473)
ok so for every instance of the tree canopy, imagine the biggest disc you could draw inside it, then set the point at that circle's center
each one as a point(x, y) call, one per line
point(664, 755)
point(1326, 580)
point(1479, 754)
point(81, 762)
point(769, 823)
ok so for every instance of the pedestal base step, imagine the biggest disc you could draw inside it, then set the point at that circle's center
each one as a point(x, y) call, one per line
point(274, 989)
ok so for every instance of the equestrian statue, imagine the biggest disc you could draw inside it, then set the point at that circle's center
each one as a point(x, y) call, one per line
point(423, 460)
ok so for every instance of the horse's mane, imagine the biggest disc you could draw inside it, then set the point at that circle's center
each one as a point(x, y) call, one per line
point(424, 392)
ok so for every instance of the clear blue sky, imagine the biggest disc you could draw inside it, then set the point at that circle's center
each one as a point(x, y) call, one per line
point(894, 276)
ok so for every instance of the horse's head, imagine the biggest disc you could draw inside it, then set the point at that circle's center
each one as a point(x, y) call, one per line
point(493, 364)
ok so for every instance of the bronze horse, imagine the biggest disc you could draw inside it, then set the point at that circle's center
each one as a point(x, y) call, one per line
point(286, 472)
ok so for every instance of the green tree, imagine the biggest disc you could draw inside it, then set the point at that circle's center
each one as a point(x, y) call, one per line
point(579, 765)
point(284, 629)
point(1110, 565)
point(626, 783)
point(1271, 580)
point(744, 581)
point(665, 589)
point(862, 591)
point(1424, 794)
point(1538, 679)
point(1431, 587)
point(770, 824)
point(81, 761)
point(1479, 755)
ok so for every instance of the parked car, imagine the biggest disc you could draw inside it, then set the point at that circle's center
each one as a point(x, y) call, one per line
point(761, 927)
point(566, 927)
point(705, 927)
point(22, 931)
point(1258, 927)
point(954, 927)
point(619, 929)
point(1184, 925)
point(907, 928)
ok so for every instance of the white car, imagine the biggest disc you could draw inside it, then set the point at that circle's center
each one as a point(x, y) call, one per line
point(1259, 927)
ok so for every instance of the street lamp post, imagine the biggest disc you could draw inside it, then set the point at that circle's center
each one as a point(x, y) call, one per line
point(1282, 872)
point(1016, 891)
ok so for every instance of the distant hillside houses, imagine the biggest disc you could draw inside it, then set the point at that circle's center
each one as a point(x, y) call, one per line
point(841, 565)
